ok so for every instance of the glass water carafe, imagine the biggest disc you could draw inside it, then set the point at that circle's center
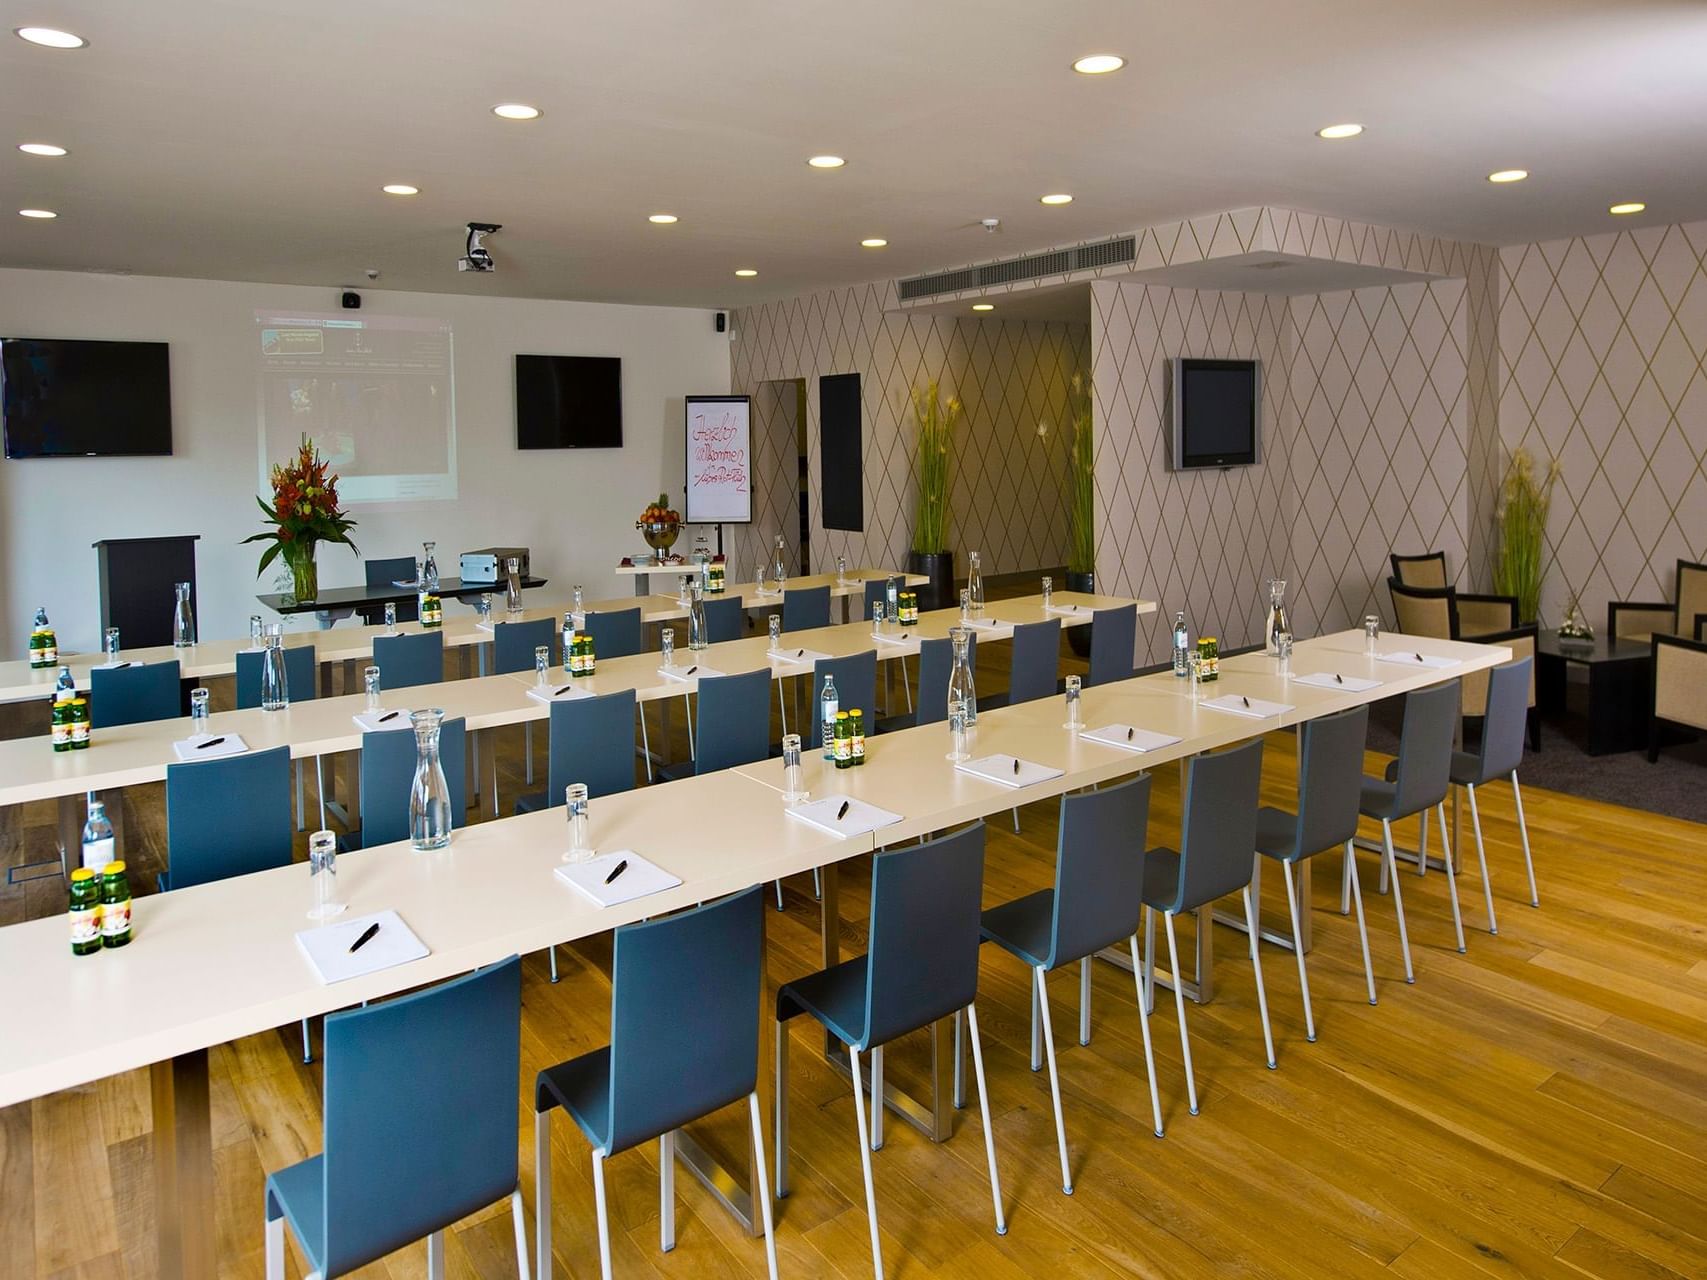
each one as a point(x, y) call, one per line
point(428, 576)
point(429, 794)
point(779, 571)
point(961, 690)
point(975, 586)
point(275, 682)
point(697, 638)
point(183, 620)
point(512, 585)
point(1277, 619)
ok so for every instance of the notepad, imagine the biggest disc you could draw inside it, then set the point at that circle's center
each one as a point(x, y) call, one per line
point(122, 663)
point(641, 878)
point(1329, 680)
point(382, 721)
point(1130, 738)
point(559, 693)
point(1410, 658)
point(1000, 769)
point(1255, 708)
point(487, 626)
point(981, 623)
point(191, 750)
point(409, 585)
point(903, 641)
point(327, 948)
point(796, 655)
point(1065, 608)
point(692, 671)
point(860, 817)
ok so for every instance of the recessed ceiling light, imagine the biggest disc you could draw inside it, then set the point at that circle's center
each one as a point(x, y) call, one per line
point(40, 149)
point(37, 213)
point(1099, 64)
point(49, 38)
point(400, 189)
point(1340, 131)
point(516, 111)
point(662, 219)
point(1508, 175)
point(746, 273)
point(873, 242)
point(826, 162)
point(983, 306)
point(1628, 206)
point(1060, 197)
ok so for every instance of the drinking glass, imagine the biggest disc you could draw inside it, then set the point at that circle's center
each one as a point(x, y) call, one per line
point(576, 609)
point(667, 644)
point(391, 618)
point(483, 608)
point(879, 618)
point(759, 579)
point(542, 665)
point(198, 711)
point(323, 875)
point(957, 731)
point(370, 683)
point(841, 571)
point(1371, 632)
point(683, 595)
point(1075, 722)
point(1283, 654)
point(512, 585)
point(792, 792)
point(255, 632)
point(776, 631)
point(113, 641)
point(575, 796)
point(1048, 592)
point(1195, 666)
point(965, 606)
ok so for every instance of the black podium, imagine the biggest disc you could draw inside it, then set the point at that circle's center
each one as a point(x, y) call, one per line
point(138, 581)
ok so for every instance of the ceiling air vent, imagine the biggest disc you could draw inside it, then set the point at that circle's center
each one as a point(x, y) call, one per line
point(1055, 262)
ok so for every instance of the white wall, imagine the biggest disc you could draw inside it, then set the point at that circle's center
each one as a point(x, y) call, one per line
point(575, 510)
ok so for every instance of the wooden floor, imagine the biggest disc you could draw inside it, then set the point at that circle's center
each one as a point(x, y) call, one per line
point(1536, 1107)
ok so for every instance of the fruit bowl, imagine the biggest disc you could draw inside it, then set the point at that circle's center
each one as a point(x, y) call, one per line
point(660, 535)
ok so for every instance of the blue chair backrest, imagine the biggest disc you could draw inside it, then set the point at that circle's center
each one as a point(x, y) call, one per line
point(1425, 748)
point(936, 663)
point(725, 619)
point(1219, 840)
point(1506, 717)
point(1099, 871)
point(922, 962)
point(592, 741)
point(1330, 779)
point(382, 573)
point(300, 675)
point(876, 589)
point(404, 661)
point(685, 993)
point(1037, 652)
point(134, 695)
point(228, 816)
point(734, 723)
point(420, 1106)
point(513, 644)
point(616, 634)
point(856, 686)
point(388, 776)
point(805, 607)
point(1114, 637)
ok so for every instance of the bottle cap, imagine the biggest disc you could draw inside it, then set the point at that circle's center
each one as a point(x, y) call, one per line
point(81, 874)
point(112, 870)
point(841, 715)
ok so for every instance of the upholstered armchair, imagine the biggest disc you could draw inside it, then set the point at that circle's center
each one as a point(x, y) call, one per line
point(1421, 571)
point(1680, 684)
point(1447, 614)
point(1637, 620)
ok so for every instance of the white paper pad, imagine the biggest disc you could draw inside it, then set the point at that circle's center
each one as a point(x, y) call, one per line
point(796, 656)
point(1347, 684)
point(638, 881)
point(189, 749)
point(693, 671)
point(1258, 708)
point(328, 948)
point(983, 624)
point(128, 662)
point(382, 721)
point(1129, 738)
point(411, 585)
point(1069, 610)
point(1000, 769)
point(1410, 658)
point(861, 817)
point(559, 693)
point(487, 626)
point(906, 641)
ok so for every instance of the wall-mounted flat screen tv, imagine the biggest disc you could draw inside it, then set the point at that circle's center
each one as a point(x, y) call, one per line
point(74, 398)
point(1217, 413)
point(568, 402)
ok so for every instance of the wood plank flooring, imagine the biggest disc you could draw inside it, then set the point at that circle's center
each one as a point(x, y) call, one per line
point(1536, 1107)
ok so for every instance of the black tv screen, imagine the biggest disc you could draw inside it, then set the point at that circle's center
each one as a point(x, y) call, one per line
point(74, 398)
point(1217, 408)
point(568, 402)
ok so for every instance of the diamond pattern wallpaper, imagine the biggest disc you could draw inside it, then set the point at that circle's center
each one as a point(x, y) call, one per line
point(1601, 345)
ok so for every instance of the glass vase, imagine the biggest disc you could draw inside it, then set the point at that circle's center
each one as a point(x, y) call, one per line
point(304, 571)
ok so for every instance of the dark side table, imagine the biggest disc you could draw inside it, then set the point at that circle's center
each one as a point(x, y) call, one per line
point(1619, 674)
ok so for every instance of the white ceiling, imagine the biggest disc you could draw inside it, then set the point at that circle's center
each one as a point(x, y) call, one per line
point(248, 139)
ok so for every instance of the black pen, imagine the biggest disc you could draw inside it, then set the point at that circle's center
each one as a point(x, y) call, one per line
point(1419, 657)
point(211, 742)
point(691, 669)
point(1247, 700)
point(800, 653)
point(1016, 764)
point(561, 689)
point(843, 811)
point(617, 870)
point(367, 935)
point(1338, 678)
point(1129, 734)
point(389, 715)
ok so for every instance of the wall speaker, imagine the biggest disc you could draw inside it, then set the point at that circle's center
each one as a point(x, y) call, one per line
point(352, 300)
point(721, 321)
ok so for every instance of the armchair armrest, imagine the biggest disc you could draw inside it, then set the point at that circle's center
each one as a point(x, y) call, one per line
point(1479, 615)
point(1521, 641)
point(1640, 618)
point(1701, 626)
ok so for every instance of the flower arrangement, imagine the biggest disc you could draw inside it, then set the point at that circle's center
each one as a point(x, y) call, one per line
point(304, 513)
point(1081, 481)
point(1522, 518)
point(936, 421)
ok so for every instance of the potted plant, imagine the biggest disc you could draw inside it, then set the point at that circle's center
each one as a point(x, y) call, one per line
point(930, 555)
point(1081, 505)
point(303, 514)
point(1522, 518)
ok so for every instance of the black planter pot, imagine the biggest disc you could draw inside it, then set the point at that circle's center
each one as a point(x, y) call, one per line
point(938, 566)
point(1080, 637)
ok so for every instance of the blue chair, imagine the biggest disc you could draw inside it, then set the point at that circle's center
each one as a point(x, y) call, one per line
point(804, 608)
point(616, 634)
point(513, 644)
point(1036, 656)
point(1500, 753)
point(134, 695)
point(875, 589)
point(383, 573)
point(1330, 784)
point(936, 662)
point(420, 1128)
point(388, 777)
point(683, 1044)
point(1216, 857)
point(725, 618)
point(408, 660)
point(856, 686)
point(1096, 903)
point(734, 724)
point(1114, 639)
point(300, 678)
point(591, 740)
point(921, 966)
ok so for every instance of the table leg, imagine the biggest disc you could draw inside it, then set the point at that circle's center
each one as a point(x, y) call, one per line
point(183, 1167)
point(642, 584)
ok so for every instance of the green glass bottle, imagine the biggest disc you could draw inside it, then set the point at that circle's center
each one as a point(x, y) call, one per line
point(85, 912)
point(844, 741)
point(115, 906)
point(62, 720)
point(856, 736)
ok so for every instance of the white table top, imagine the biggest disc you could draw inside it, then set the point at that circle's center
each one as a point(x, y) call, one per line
point(219, 961)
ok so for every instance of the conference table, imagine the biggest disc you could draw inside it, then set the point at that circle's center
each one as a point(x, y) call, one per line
point(344, 600)
point(851, 584)
point(218, 962)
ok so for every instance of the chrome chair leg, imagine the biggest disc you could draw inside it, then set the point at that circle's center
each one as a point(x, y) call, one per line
point(1054, 1080)
point(1085, 1000)
point(1523, 831)
point(1362, 932)
point(519, 1217)
point(764, 1186)
point(542, 1193)
point(436, 1256)
point(779, 1105)
point(666, 1191)
point(603, 1212)
point(1451, 878)
point(1179, 1007)
point(877, 1098)
point(1256, 968)
point(1144, 1023)
point(984, 1112)
point(1398, 896)
point(1298, 950)
point(865, 1164)
point(1482, 860)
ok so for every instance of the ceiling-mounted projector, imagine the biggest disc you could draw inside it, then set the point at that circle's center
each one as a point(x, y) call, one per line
point(476, 256)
